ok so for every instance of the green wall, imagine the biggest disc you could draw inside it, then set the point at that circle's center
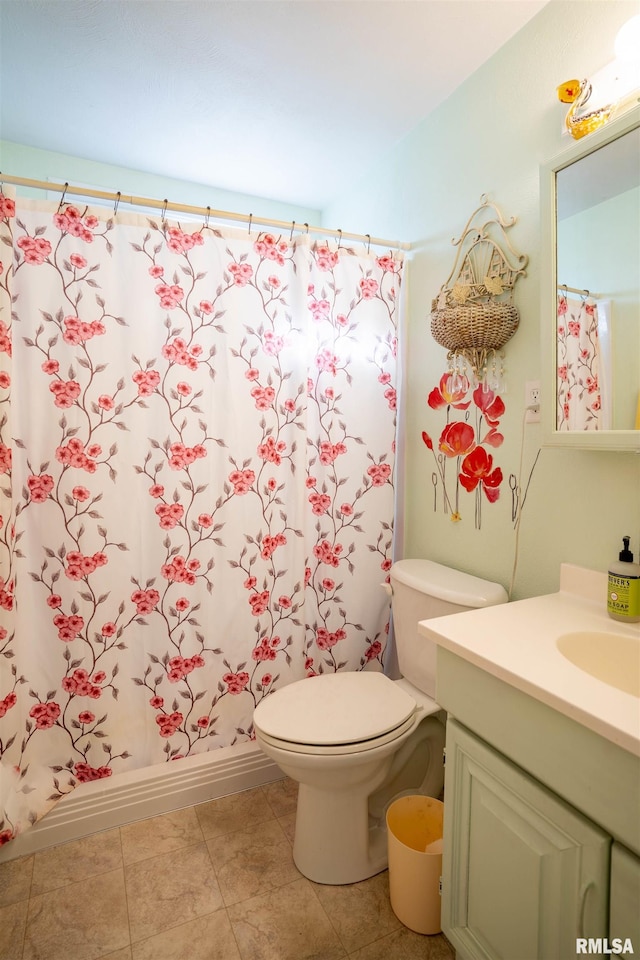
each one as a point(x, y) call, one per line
point(491, 136)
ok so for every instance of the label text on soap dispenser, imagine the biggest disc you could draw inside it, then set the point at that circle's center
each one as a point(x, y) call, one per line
point(624, 596)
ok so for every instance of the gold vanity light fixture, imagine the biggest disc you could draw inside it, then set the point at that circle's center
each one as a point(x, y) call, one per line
point(473, 315)
point(616, 87)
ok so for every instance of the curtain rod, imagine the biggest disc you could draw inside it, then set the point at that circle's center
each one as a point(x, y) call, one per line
point(205, 212)
point(581, 293)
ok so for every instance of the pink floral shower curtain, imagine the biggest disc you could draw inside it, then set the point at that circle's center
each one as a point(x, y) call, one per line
point(578, 361)
point(197, 466)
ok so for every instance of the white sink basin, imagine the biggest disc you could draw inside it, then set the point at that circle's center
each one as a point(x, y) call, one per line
point(610, 657)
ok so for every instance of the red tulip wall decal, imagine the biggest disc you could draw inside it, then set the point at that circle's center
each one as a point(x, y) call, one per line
point(472, 421)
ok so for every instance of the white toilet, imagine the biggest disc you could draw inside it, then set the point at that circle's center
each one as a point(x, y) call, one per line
point(355, 741)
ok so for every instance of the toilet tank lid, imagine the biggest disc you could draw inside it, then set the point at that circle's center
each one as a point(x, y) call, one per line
point(448, 584)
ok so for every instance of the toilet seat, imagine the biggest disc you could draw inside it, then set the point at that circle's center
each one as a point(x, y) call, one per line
point(360, 746)
point(337, 713)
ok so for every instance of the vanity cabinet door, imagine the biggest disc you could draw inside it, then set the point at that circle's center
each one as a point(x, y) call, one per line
point(524, 874)
point(624, 914)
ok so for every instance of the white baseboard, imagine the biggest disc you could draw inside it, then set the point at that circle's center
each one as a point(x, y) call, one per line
point(104, 804)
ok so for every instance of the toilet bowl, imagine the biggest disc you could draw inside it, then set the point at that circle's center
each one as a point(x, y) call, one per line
point(354, 733)
point(355, 741)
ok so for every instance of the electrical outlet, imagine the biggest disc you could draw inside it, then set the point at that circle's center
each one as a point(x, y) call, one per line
point(532, 399)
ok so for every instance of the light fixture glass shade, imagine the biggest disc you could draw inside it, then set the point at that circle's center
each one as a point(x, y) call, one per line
point(627, 43)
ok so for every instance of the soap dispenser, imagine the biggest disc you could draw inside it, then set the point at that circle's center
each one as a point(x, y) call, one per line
point(623, 591)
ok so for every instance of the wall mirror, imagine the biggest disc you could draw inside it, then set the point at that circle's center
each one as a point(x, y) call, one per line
point(590, 290)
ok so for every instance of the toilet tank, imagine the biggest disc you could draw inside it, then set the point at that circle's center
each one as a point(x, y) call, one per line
point(422, 589)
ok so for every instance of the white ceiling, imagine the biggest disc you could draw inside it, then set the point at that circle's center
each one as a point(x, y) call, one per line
point(287, 99)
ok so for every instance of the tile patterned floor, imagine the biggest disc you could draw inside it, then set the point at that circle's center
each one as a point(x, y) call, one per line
point(211, 882)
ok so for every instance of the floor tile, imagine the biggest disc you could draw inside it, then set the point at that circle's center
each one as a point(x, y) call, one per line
point(165, 891)
point(288, 824)
point(236, 812)
point(285, 924)
point(208, 938)
point(441, 949)
point(75, 861)
point(282, 796)
point(252, 861)
point(15, 880)
point(360, 912)
point(13, 920)
point(82, 921)
point(404, 944)
point(149, 838)
point(212, 882)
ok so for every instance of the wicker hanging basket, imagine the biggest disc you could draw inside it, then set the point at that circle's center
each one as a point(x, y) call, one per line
point(474, 310)
point(485, 325)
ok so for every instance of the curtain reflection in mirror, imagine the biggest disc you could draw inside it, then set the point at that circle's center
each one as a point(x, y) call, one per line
point(583, 362)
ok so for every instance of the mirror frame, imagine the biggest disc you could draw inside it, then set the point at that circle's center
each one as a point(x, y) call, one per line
point(628, 440)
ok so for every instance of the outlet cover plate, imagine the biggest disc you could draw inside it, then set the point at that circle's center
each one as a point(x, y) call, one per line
point(532, 398)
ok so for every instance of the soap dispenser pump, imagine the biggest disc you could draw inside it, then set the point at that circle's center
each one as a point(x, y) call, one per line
point(623, 591)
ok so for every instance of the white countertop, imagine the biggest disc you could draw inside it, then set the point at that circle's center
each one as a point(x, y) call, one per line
point(516, 642)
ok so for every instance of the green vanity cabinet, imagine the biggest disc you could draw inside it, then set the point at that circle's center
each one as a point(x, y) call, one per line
point(624, 919)
point(541, 824)
point(524, 874)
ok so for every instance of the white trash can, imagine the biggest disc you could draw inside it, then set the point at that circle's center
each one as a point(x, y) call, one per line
point(414, 837)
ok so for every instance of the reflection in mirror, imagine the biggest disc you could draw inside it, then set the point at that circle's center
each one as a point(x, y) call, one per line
point(598, 288)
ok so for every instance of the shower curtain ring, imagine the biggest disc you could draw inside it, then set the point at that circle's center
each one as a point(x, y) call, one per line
point(307, 226)
point(339, 238)
point(117, 203)
point(206, 222)
point(293, 225)
point(164, 209)
point(64, 193)
point(250, 219)
point(368, 236)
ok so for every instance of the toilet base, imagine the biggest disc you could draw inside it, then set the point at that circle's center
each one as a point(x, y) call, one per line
point(341, 834)
point(348, 851)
